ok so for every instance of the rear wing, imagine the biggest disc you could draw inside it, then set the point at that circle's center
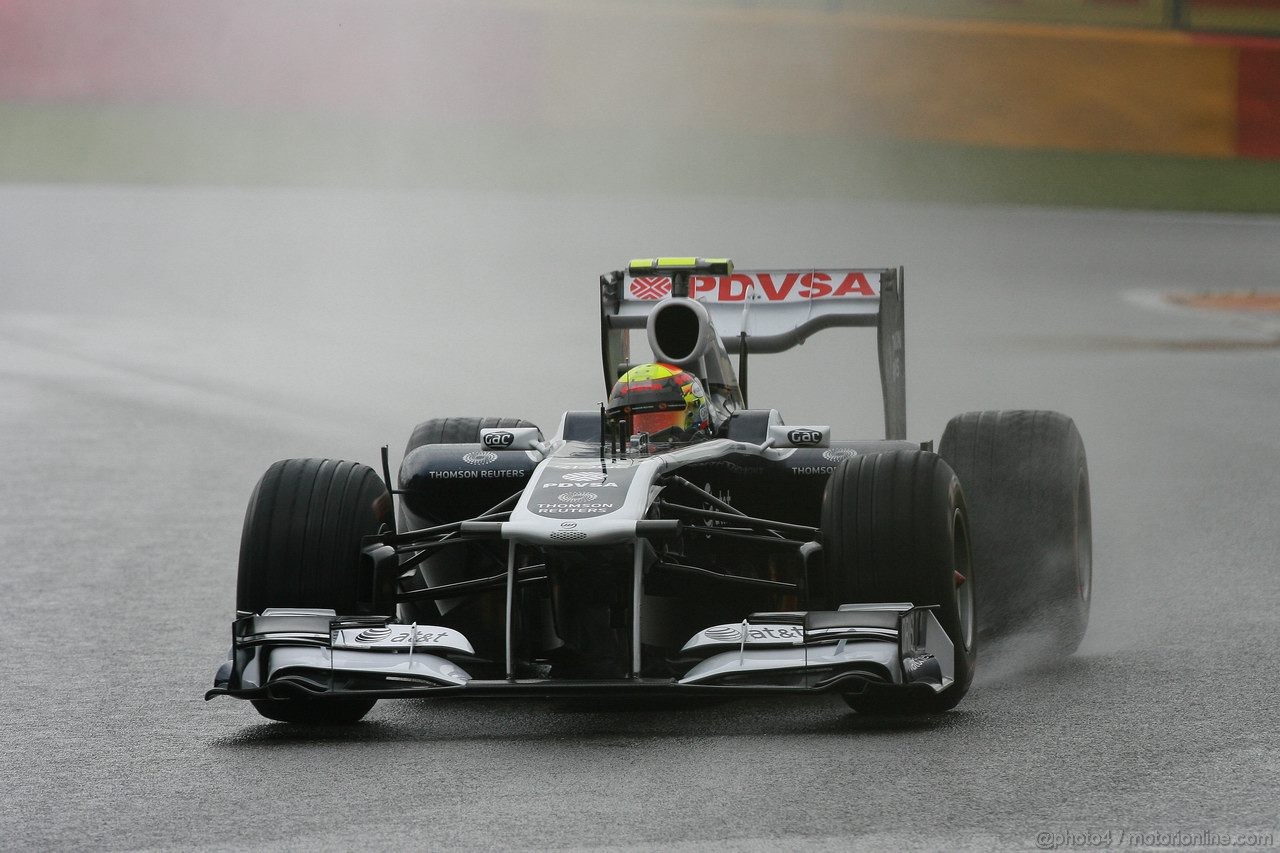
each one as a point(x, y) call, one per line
point(763, 311)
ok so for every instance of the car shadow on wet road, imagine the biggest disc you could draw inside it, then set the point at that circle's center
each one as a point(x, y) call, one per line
point(410, 721)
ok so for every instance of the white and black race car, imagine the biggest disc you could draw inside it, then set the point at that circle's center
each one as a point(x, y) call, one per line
point(746, 556)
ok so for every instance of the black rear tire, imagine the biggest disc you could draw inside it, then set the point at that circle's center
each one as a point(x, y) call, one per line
point(301, 548)
point(444, 431)
point(1026, 478)
point(457, 430)
point(895, 528)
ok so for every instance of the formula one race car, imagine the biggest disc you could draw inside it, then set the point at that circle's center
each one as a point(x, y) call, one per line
point(674, 542)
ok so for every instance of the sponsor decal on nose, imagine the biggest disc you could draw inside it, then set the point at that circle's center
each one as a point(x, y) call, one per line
point(584, 477)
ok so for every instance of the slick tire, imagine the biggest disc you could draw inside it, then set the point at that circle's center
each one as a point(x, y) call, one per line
point(1026, 479)
point(895, 528)
point(301, 548)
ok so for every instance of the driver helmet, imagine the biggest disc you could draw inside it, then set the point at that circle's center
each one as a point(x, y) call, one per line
point(663, 400)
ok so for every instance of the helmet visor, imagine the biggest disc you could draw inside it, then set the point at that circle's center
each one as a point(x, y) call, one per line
point(657, 423)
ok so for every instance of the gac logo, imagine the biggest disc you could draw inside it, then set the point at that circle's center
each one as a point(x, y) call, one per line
point(804, 437)
point(499, 439)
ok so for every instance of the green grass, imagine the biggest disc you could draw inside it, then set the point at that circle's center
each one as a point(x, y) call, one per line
point(161, 145)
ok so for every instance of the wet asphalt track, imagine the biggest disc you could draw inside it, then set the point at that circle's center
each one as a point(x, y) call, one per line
point(158, 348)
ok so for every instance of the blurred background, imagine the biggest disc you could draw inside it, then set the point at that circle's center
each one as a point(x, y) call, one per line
point(1128, 103)
point(322, 200)
point(238, 231)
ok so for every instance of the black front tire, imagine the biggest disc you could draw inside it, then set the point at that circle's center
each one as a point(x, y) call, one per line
point(301, 548)
point(1026, 478)
point(895, 528)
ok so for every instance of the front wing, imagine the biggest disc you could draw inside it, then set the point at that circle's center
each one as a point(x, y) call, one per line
point(292, 653)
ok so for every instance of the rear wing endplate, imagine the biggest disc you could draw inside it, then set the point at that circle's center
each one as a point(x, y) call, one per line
point(769, 311)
